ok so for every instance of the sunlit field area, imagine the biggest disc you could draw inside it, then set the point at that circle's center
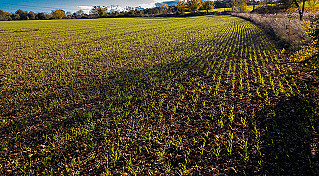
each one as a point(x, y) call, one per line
point(150, 96)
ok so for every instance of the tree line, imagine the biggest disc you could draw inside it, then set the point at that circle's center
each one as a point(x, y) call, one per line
point(25, 15)
point(182, 6)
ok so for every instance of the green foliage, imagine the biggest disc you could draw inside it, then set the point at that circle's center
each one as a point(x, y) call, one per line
point(181, 6)
point(99, 10)
point(312, 3)
point(5, 16)
point(31, 16)
point(23, 14)
point(208, 5)
point(15, 16)
point(240, 5)
point(42, 16)
point(193, 5)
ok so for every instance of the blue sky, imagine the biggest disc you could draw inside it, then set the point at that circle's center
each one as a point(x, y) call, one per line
point(68, 5)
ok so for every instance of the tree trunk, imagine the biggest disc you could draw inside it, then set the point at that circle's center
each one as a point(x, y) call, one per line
point(303, 7)
point(300, 11)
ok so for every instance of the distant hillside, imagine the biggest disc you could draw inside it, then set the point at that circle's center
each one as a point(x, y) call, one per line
point(170, 3)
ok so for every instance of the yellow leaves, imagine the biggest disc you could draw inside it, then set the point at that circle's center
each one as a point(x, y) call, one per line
point(193, 5)
point(58, 14)
point(304, 53)
point(181, 5)
point(306, 26)
point(283, 51)
point(307, 9)
point(208, 5)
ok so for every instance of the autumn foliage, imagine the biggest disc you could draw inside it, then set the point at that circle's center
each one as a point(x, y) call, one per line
point(58, 14)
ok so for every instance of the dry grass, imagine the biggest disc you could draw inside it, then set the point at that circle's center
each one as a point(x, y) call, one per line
point(285, 27)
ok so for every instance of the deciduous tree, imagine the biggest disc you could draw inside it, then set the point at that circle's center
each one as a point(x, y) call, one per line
point(2, 15)
point(15, 16)
point(68, 15)
point(240, 5)
point(300, 10)
point(23, 14)
point(208, 5)
point(313, 3)
point(181, 6)
point(164, 8)
point(42, 16)
point(290, 3)
point(79, 12)
point(31, 16)
point(58, 14)
point(99, 10)
point(193, 5)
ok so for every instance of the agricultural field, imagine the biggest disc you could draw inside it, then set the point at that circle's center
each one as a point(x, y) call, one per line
point(249, 8)
point(219, 10)
point(152, 96)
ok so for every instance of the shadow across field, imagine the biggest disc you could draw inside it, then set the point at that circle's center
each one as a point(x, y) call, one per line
point(105, 98)
point(288, 139)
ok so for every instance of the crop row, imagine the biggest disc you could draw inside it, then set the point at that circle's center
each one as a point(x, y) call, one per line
point(200, 95)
